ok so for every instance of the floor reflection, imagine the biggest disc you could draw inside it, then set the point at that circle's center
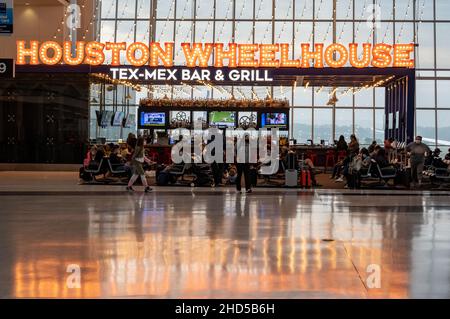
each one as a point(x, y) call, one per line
point(225, 246)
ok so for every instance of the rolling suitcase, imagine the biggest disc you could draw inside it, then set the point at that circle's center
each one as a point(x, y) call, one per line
point(291, 174)
point(291, 178)
point(305, 178)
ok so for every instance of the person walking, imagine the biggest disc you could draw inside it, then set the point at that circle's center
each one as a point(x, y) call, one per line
point(244, 169)
point(417, 151)
point(137, 159)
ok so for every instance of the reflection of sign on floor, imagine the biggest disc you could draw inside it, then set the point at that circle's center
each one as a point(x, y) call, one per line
point(6, 68)
point(6, 16)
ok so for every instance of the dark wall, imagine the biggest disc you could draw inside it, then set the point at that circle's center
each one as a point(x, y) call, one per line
point(44, 118)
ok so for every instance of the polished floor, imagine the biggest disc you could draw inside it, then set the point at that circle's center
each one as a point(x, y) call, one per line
point(203, 243)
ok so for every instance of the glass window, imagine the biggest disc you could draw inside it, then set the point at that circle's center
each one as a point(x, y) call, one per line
point(442, 9)
point(380, 121)
point(424, 9)
point(302, 125)
point(143, 11)
point(443, 128)
point(404, 32)
point(302, 96)
point(323, 125)
point(345, 98)
point(424, 93)
point(165, 8)
point(364, 126)
point(244, 32)
point(426, 124)
point(164, 31)
point(364, 98)
point(380, 95)
point(224, 9)
point(284, 9)
point(344, 9)
point(404, 9)
point(263, 9)
point(224, 32)
point(322, 96)
point(386, 9)
point(425, 50)
point(244, 9)
point(205, 9)
point(142, 31)
point(263, 32)
point(443, 94)
point(324, 10)
point(343, 123)
point(108, 9)
point(283, 33)
point(204, 31)
point(303, 9)
point(443, 45)
point(184, 9)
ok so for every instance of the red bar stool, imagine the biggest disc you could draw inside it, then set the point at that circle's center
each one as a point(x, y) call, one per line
point(341, 155)
point(330, 159)
point(312, 156)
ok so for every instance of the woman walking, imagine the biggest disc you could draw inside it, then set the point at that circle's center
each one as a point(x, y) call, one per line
point(137, 160)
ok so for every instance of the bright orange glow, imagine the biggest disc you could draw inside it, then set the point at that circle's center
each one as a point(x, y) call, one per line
point(94, 53)
point(365, 61)
point(115, 51)
point(197, 53)
point(316, 55)
point(166, 55)
point(285, 62)
point(221, 55)
point(79, 51)
point(330, 58)
point(381, 55)
point(57, 52)
point(32, 52)
point(247, 55)
point(402, 55)
point(267, 55)
point(131, 54)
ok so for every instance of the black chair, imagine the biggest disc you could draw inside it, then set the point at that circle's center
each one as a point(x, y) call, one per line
point(95, 171)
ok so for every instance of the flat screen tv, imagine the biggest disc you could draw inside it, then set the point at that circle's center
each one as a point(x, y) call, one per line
point(129, 120)
point(106, 118)
point(117, 119)
point(275, 120)
point(222, 119)
point(152, 119)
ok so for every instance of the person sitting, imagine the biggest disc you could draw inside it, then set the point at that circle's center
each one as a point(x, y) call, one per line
point(310, 165)
point(88, 163)
point(359, 162)
point(437, 161)
point(447, 158)
point(341, 145)
point(375, 151)
point(353, 146)
point(372, 146)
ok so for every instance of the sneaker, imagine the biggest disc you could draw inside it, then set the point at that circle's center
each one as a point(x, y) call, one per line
point(332, 177)
point(339, 180)
point(130, 189)
point(238, 191)
point(148, 189)
point(248, 191)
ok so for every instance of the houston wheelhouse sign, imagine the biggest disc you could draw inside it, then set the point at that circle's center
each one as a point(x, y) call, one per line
point(217, 55)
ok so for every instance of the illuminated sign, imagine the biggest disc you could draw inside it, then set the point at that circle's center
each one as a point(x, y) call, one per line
point(235, 55)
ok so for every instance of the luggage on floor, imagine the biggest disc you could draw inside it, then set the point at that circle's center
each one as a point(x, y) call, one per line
point(305, 178)
point(291, 177)
point(162, 178)
point(253, 176)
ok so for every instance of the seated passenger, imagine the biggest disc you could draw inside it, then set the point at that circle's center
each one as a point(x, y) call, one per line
point(447, 158)
point(381, 158)
point(437, 161)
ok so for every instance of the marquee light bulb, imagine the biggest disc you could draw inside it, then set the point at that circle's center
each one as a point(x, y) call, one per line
point(316, 55)
point(330, 58)
point(57, 52)
point(284, 61)
point(247, 55)
point(365, 61)
point(267, 55)
point(402, 55)
point(381, 55)
point(166, 55)
point(220, 55)
point(94, 53)
point(131, 54)
point(79, 51)
point(32, 52)
point(197, 53)
point(115, 51)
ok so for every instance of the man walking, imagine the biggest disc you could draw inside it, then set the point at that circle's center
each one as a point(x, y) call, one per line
point(417, 151)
